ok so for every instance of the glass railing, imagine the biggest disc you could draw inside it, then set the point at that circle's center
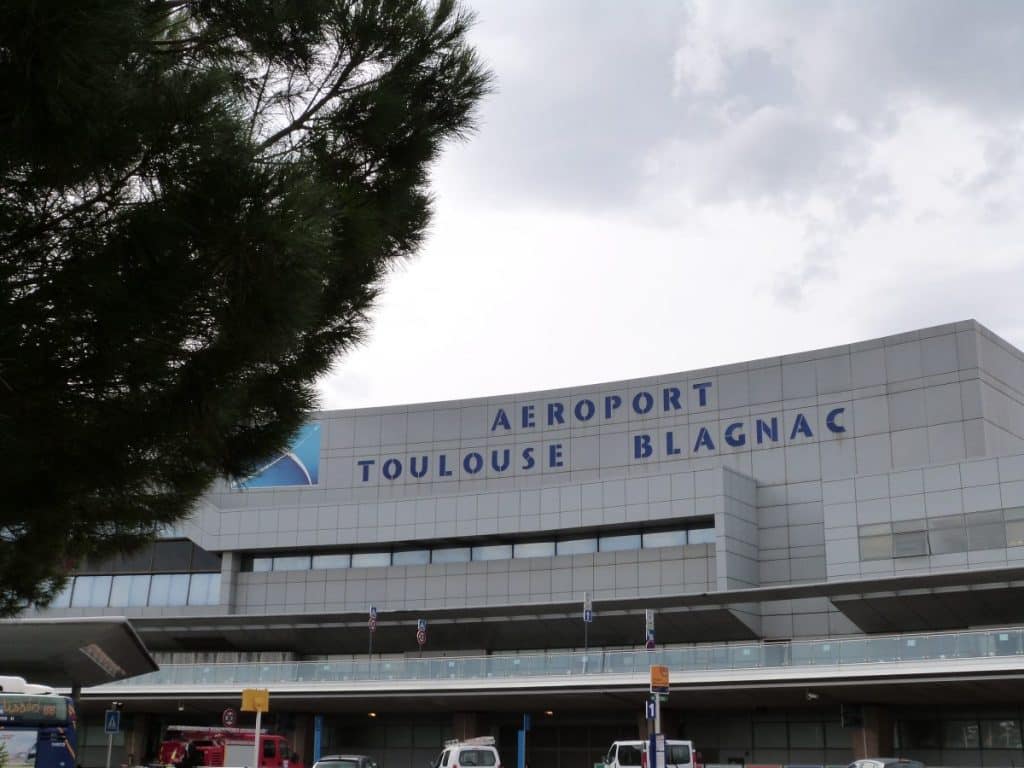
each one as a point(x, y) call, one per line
point(890, 649)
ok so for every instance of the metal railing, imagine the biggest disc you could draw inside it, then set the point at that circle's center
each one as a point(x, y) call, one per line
point(797, 654)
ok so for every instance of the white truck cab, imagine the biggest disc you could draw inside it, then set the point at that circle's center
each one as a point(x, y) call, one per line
point(478, 752)
point(633, 754)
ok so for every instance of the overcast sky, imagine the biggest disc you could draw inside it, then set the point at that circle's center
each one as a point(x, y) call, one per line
point(662, 186)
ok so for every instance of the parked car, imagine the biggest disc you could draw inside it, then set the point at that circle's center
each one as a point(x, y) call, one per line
point(345, 761)
point(886, 762)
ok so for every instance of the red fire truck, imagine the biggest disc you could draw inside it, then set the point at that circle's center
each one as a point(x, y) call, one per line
point(224, 746)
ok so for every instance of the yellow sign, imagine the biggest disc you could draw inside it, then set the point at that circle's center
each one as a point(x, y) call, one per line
point(255, 700)
point(659, 677)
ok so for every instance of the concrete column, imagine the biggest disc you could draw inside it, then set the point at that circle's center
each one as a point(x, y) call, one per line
point(302, 741)
point(230, 565)
point(874, 738)
point(464, 725)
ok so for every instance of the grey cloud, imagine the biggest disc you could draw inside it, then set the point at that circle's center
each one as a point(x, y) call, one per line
point(587, 95)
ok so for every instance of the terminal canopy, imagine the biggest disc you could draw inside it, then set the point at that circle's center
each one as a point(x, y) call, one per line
point(70, 652)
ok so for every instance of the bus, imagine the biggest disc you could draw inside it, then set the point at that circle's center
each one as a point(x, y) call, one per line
point(37, 726)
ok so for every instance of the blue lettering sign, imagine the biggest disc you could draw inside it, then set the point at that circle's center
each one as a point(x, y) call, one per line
point(442, 468)
point(555, 413)
point(702, 392)
point(768, 428)
point(392, 468)
point(732, 438)
point(672, 395)
point(611, 403)
point(642, 403)
point(366, 464)
point(528, 458)
point(528, 417)
point(506, 460)
point(704, 439)
point(473, 462)
point(800, 426)
point(501, 418)
point(555, 455)
point(642, 447)
point(585, 410)
point(831, 423)
point(670, 447)
point(412, 466)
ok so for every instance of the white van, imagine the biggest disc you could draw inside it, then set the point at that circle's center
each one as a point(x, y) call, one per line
point(478, 752)
point(633, 754)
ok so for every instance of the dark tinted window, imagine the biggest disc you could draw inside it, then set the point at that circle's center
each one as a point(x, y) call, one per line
point(173, 556)
point(629, 755)
point(676, 754)
point(204, 561)
point(475, 757)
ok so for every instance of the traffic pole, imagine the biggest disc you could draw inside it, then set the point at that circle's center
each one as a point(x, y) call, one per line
point(110, 745)
point(256, 742)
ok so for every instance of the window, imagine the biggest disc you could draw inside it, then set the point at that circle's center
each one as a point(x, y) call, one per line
point(411, 557)
point(204, 589)
point(91, 592)
point(806, 736)
point(876, 542)
point(960, 734)
point(677, 754)
point(909, 544)
point(324, 562)
point(172, 555)
point(619, 543)
point(262, 564)
point(629, 755)
point(204, 561)
point(136, 562)
point(986, 530)
point(130, 591)
point(370, 559)
point(291, 563)
point(450, 555)
point(269, 748)
point(535, 549)
point(769, 735)
point(63, 598)
point(476, 757)
point(1000, 734)
point(664, 539)
point(1014, 526)
point(701, 535)
point(946, 535)
point(493, 552)
point(169, 589)
point(576, 546)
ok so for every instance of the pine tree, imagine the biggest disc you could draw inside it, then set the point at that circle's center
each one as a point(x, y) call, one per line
point(198, 202)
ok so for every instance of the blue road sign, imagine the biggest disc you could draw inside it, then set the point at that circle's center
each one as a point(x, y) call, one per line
point(588, 616)
point(651, 709)
point(111, 721)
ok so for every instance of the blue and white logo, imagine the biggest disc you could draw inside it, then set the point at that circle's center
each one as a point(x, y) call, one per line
point(299, 465)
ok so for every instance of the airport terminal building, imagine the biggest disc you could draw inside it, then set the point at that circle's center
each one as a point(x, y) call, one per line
point(830, 544)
